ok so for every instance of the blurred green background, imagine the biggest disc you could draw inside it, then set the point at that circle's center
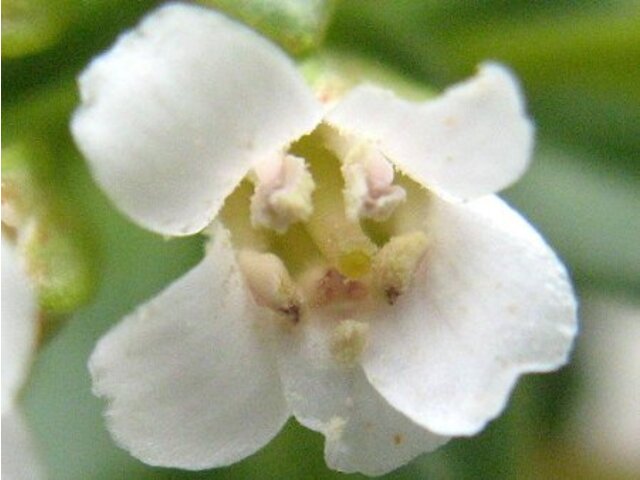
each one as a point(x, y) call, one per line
point(579, 62)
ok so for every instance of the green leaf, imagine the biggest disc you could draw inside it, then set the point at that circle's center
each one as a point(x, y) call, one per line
point(297, 25)
point(29, 26)
point(60, 261)
point(43, 113)
point(91, 28)
point(588, 212)
point(579, 62)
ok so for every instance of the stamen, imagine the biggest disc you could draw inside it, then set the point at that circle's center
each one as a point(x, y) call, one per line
point(413, 215)
point(270, 283)
point(397, 262)
point(283, 193)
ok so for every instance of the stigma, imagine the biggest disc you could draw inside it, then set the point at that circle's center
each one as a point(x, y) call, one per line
point(283, 188)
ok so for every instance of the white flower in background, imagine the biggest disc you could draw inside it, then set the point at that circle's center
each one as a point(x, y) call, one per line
point(19, 341)
point(610, 401)
point(360, 274)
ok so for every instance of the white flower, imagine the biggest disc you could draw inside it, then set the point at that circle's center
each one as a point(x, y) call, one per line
point(388, 311)
point(19, 340)
point(610, 400)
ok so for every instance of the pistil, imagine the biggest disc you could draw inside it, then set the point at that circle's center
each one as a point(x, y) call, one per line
point(341, 240)
point(282, 196)
point(369, 190)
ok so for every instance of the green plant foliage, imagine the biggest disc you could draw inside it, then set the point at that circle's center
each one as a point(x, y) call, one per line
point(297, 25)
point(59, 251)
point(29, 26)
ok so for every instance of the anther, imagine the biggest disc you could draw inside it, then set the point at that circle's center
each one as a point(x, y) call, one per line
point(270, 283)
point(396, 263)
point(292, 312)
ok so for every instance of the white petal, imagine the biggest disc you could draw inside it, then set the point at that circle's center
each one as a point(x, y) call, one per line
point(190, 377)
point(490, 302)
point(473, 140)
point(19, 457)
point(174, 115)
point(19, 325)
point(363, 432)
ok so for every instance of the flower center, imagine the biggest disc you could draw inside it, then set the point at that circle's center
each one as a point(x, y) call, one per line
point(327, 225)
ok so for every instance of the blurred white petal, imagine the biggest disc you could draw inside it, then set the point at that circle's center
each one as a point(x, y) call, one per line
point(19, 458)
point(607, 420)
point(19, 325)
